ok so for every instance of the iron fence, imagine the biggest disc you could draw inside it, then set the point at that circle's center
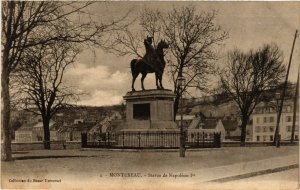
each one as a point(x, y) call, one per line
point(203, 140)
point(142, 140)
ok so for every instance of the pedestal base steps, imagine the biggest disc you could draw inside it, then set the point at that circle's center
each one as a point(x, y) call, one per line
point(148, 138)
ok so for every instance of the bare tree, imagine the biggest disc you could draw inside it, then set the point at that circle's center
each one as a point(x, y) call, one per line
point(40, 80)
point(26, 24)
point(193, 40)
point(247, 75)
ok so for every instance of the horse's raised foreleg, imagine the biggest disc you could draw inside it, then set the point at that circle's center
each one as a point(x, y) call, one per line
point(142, 80)
point(160, 81)
point(133, 80)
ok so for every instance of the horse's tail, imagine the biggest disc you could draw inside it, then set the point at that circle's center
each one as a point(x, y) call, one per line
point(132, 65)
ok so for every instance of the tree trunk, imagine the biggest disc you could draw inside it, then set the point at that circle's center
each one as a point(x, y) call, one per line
point(6, 130)
point(243, 131)
point(46, 122)
point(6, 154)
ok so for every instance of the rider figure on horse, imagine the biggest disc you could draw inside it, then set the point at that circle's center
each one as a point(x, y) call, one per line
point(151, 56)
point(152, 62)
point(150, 51)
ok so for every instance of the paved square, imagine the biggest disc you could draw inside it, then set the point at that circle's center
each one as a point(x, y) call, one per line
point(114, 168)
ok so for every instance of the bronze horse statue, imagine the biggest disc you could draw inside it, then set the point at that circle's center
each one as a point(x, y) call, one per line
point(152, 62)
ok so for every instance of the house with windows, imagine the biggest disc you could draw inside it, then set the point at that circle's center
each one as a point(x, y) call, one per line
point(264, 121)
point(24, 134)
point(38, 131)
point(206, 126)
point(187, 120)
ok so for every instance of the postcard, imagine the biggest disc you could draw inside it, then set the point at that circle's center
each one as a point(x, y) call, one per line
point(150, 95)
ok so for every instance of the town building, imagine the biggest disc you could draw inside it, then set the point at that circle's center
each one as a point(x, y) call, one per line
point(73, 132)
point(206, 126)
point(186, 120)
point(34, 132)
point(194, 124)
point(24, 134)
point(264, 121)
point(66, 125)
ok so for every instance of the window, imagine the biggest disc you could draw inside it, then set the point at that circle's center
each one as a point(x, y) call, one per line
point(257, 129)
point(257, 120)
point(283, 109)
point(265, 120)
point(265, 129)
point(272, 119)
point(288, 128)
point(288, 109)
point(192, 135)
point(288, 118)
point(296, 138)
point(264, 138)
point(271, 137)
point(141, 111)
point(257, 138)
point(271, 128)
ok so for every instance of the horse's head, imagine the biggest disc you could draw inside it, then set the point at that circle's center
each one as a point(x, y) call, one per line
point(149, 39)
point(162, 44)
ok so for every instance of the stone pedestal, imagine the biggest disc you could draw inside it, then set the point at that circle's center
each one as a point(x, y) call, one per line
point(150, 110)
point(149, 120)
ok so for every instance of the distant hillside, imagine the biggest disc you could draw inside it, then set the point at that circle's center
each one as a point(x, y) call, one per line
point(69, 114)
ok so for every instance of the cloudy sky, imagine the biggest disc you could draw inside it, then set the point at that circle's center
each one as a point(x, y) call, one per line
point(105, 78)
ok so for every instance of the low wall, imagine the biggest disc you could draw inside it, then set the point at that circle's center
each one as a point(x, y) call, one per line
point(77, 145)
point(59, 145)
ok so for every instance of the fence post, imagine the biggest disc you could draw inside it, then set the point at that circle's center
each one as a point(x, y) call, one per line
point(107, 138)
point(161, 139)
point(215, 140)
point(123, 138)
point(219, 140)
point(198, 139)
point(83, 140)
point(146, 143)
point(203, 139)
point(139, 139)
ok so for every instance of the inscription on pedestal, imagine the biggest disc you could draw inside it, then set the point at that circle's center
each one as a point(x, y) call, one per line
point(141, 111)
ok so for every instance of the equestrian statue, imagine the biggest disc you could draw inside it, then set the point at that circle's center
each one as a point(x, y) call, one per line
point(152, 62)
